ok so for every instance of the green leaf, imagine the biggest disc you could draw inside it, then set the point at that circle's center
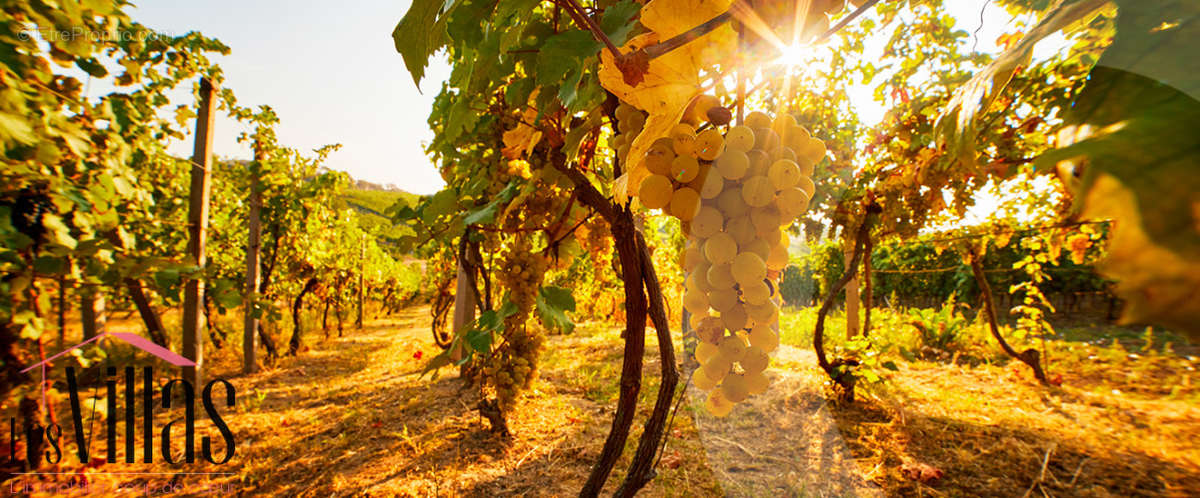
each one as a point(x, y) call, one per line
point(59, 232)
point(517, 93)
point(489, 320)
point(508, 309)
point(575, 136)
point(487, 214)
point(956, 125)
point(92, 66)
point(617, 21)
point(420, 33)
point(890, 365)
point(16, 129)
point(49, 265)
point(442, 203)
point(552, 304)
point(480, 340)
point(562, 56)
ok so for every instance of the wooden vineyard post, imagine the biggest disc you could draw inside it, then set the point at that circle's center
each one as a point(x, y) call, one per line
point(92, 312)
point(253, 249)
point(62, 312)
point(464, 308)
point(193, 345)
point(362, 270)
point(868, 288)
point(852, 300)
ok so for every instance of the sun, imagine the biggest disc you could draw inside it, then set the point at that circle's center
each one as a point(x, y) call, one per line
point(794, 55)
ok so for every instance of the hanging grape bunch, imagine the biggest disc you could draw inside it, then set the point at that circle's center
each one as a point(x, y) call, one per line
point(629, 125)
point(734, 193)
point(512, 366)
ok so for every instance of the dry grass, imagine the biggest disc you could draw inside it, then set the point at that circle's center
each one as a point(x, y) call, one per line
point(348, 417)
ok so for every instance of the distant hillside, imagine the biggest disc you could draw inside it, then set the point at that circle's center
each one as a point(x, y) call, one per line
point(372, 201)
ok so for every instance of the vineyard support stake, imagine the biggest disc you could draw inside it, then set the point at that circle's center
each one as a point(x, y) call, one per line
point(201, 173)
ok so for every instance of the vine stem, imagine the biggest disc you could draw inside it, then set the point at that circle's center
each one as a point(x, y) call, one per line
point(641, 469)
point(664, 47)
point(864, 232)
point(1030, 356)
point(620, 221)
point(587, 24)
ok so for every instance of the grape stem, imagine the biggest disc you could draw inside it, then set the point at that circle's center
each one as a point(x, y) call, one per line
point(665, 47)
point(587, 24)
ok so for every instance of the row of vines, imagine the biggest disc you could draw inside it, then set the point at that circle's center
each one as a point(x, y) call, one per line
point(94, 211)
point(566, 125)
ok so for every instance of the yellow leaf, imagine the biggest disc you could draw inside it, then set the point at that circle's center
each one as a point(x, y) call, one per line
point(669, 18)
point(1159, 285)
point(669, 85)
point(519, 141)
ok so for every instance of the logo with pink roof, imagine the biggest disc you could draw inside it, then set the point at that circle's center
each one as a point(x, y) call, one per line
point(47, 442)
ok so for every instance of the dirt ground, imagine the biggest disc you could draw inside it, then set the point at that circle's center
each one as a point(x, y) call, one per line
point(350, 417)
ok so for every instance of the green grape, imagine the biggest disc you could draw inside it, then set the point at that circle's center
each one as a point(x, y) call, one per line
point(784, 174)
point(685, 203)
point(709, 144)
point(757, 191)
point(720, 248)
point(684, 169)
point(660, 156)
point(758, 119)
point(732, 165)
point(740, 138)
point(656, 191)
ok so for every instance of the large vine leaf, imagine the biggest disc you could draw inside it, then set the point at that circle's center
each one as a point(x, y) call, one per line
point(672, 80)
point(1139, 115)
point(553, 303)
point(420, 33)
point(956, 125)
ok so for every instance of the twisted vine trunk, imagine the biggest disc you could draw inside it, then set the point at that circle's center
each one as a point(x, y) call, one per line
point(11, 362)
point(635, 346)
point(641, 469)
point(845, 380)
point(1030, 357)
point(215, 333)
point(294, 344)
point(154, 326)
point(868, 289)
point(643, 296)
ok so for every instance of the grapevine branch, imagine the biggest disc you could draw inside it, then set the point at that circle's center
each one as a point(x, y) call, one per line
point(587, 24)
point(635, 346)
point(843, 379)
point(641, 470)
point(620, 222)
point(664, 47)
point(844, 22)
point(1030, 356)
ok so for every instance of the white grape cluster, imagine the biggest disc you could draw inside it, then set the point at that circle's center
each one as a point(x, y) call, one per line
point(735, 193)
point(630, 122)
point(512, 366)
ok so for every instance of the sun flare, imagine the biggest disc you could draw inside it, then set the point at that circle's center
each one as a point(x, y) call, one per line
point(794, 55)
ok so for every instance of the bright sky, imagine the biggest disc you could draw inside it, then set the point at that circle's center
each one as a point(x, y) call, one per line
point(332, 75)
point(330, 72)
